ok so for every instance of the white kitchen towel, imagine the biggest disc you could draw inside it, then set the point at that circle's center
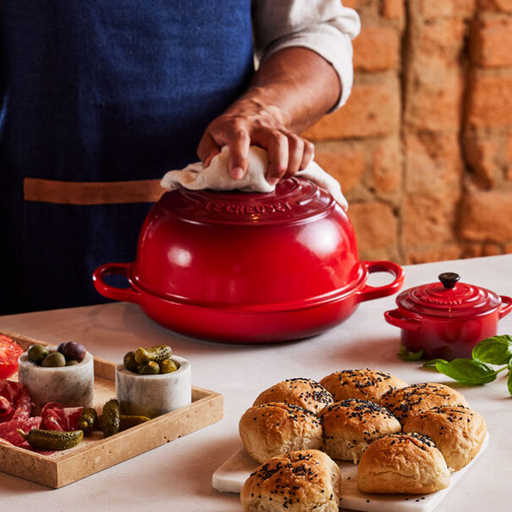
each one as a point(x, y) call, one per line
point(216, 176)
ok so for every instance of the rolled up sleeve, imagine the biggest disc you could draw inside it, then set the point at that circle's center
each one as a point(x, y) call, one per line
point(323, 26)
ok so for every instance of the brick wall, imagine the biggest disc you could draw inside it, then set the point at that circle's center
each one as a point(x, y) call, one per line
point(423, 148)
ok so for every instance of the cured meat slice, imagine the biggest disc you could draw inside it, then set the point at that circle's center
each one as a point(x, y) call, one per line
point(9, 430)
point(55, 416)
point(15, 409)
point(15, 401)
point(6, 407)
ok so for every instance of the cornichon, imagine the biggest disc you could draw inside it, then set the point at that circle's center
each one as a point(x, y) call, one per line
point(111, 418)
point(129, 421)
point(156, 353)
point(52, 439)
point(168, 366)
point(130, 363)
point(88, 420)
point(149, 368)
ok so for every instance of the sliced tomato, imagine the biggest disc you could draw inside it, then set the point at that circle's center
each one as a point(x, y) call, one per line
point(9, 353)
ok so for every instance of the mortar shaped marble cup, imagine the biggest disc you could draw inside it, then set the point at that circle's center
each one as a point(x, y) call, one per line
point(72, 386)
point(154, 395)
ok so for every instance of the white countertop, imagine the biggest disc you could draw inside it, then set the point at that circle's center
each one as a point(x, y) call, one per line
point(177, 476)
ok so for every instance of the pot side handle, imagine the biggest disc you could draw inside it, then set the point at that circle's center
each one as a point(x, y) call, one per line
point(394, 317)
point(374, 292)
point(111, 292)
point(506, 306)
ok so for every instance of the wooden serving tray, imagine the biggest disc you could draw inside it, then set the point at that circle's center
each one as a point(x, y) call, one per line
point(96, 453)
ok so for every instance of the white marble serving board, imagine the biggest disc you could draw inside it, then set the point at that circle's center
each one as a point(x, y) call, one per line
point(230, 477)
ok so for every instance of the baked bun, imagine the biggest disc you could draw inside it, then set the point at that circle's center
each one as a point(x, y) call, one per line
point(417, 398)
point(457, 431)
point(351, 425)
point(276, 428)
point(307, 393)
point(404, 464)
point(361, 383)
point(298, 481)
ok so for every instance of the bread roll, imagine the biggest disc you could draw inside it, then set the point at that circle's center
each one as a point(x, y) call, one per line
point(351, 425)
point(404, 464)
point(276, 428)
point(361, 383)
point(457, 431)
point(418, 398)
point(307, 393)
point(299, 481)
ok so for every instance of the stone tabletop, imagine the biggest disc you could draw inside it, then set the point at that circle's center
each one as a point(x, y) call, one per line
point(177, 476)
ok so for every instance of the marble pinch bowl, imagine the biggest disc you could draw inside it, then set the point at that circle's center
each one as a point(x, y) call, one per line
point(154, 395)
point(72, 386)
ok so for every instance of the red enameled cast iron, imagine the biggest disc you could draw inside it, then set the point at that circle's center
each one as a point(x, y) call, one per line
point(448, 318)
point(246, 267)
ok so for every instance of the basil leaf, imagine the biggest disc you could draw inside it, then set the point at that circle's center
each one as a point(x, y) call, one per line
point(467, 371)
point(495, 350)
point(432, 363)
point(405, 354)
point(509, 382)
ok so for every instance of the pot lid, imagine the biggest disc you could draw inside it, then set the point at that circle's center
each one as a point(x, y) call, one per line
point(293, 199)
point(448, 298)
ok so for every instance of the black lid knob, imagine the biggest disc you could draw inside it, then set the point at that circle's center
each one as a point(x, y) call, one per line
point(449, 279)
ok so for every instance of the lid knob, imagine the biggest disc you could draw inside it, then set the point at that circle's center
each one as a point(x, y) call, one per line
point(449, 279)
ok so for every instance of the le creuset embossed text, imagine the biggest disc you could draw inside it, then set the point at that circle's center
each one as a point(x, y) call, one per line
point(248, 267)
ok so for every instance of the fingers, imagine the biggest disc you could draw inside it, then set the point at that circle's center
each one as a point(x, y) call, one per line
point(288, 153)
point(226, 131)
point(238, 142)
point(278, 156)
point(307, 155)
point(207, 149)
point(296, 153)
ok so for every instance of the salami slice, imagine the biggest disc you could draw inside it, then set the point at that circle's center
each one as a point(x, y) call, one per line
point(15, 409)
point(15, 401)
point(55, 416)
point(6, 408)
point(9, 430)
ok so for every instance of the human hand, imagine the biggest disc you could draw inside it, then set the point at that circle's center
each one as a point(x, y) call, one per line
point(251, 122)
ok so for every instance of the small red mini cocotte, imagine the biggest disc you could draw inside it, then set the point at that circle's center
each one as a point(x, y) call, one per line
point(447, 318)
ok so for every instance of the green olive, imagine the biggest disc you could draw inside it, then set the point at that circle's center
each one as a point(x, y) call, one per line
point(168, 366)
point(71, 362)
point(36, 353)
point(54, 360)
point(149, 368)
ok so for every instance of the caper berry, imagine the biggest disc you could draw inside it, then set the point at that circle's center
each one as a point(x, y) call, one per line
point(54, 360)
point(36, 353)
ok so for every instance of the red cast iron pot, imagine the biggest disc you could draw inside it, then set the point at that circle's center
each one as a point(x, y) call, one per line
point(248, 268)
point(448, 318)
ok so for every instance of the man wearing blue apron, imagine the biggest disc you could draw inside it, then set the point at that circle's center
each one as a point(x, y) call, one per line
point(100, 99)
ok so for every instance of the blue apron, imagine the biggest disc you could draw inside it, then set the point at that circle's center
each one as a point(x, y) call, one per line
point(98, 99)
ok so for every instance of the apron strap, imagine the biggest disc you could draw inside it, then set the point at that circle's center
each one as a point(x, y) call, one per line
point(86, 193)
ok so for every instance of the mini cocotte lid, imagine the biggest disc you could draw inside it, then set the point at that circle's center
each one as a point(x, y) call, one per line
point(448, 298)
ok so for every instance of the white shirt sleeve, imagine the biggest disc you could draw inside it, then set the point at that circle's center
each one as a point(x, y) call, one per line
point(324, 26)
